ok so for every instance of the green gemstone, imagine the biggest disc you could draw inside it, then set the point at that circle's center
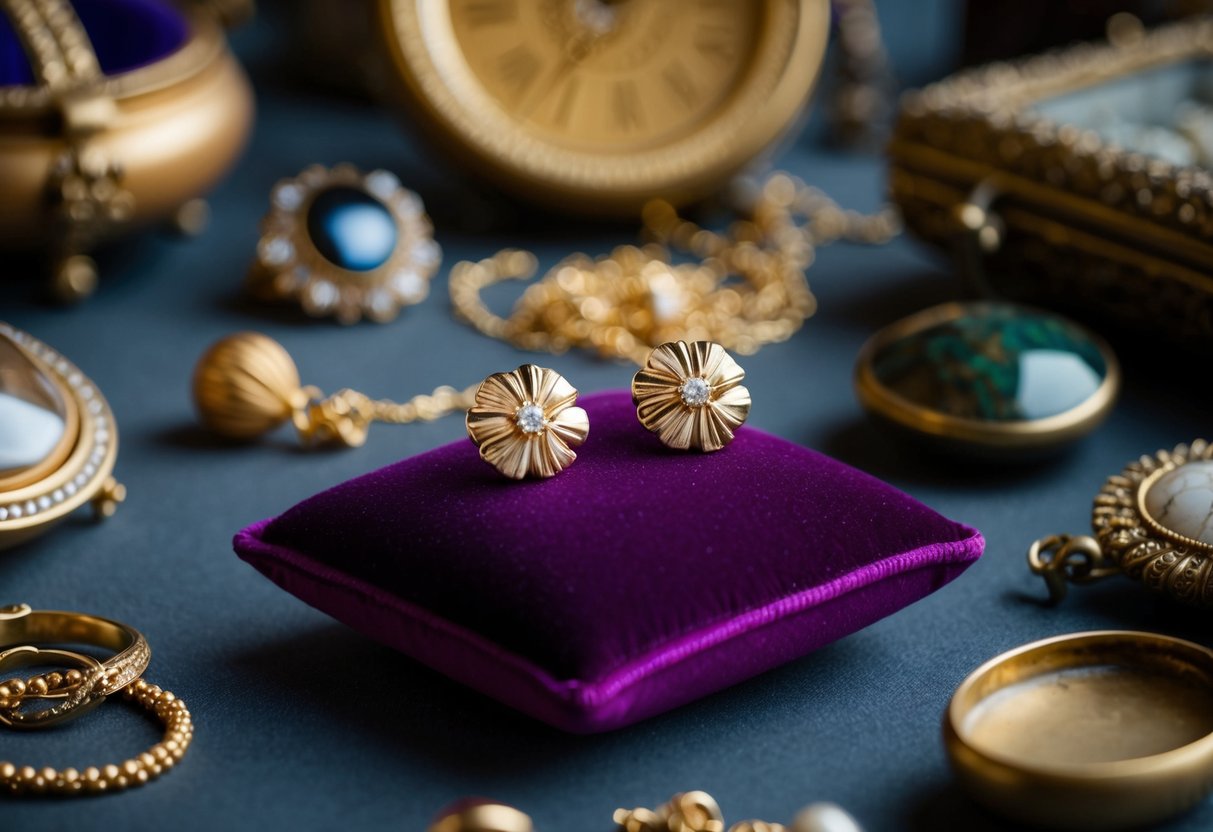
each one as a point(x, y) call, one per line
point(994, 363)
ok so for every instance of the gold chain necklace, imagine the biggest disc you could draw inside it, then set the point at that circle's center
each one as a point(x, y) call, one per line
point(743, 289)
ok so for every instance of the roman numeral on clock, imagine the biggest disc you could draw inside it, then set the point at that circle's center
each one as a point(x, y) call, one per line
point(716, 41)
point(625, 105)
point(488, 12)
point(679, 81)
point(519, 67)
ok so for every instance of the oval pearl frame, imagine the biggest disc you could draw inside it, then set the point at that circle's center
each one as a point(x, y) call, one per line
point(85, 474)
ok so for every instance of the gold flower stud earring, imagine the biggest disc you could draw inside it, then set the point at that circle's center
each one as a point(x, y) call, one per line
point(525, 424)
point(691, 395)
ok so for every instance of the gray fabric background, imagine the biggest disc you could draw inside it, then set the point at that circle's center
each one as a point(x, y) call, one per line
point(304, 724)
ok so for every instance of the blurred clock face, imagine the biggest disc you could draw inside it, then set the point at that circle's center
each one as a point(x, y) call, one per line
point(596, 106)
point(622, 76)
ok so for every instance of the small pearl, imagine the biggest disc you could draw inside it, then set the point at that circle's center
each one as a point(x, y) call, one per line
point(825, 817)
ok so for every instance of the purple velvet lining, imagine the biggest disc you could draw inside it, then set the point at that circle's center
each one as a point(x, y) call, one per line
point(636, 581)
point(125, 34)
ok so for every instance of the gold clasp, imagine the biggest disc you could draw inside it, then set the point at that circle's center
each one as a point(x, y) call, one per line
point(1062, 559)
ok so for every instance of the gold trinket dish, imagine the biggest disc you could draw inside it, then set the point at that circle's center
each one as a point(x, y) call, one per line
point(58, 440)
point(1079, 180)
point(113, 115)
point(1099, 731)
point(1151, 522)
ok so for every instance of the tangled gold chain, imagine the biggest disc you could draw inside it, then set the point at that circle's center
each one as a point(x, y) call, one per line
point(744, 288)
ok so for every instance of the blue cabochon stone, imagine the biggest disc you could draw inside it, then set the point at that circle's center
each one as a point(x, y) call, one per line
point(351, 228)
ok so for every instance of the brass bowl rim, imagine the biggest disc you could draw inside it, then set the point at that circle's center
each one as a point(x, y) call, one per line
point(204, 43)
point(878, 398)
point(1132, 768)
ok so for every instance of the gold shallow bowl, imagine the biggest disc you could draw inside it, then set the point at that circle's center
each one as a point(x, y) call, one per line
point(1090, 731)
point(171, 129)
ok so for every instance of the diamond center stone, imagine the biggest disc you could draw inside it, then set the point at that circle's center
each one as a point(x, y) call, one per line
point(529, 418)
point(696, 392)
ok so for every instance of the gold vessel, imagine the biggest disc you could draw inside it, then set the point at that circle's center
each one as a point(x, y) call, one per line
point(1096, 731)
point(85, 156)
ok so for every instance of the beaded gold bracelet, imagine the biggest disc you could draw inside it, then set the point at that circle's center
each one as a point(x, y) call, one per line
point(160, 758)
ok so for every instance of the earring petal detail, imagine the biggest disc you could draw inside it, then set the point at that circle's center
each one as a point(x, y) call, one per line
point(691, 395)
point(525, 424)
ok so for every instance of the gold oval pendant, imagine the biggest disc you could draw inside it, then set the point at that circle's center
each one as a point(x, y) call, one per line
point(58, 440)
point(1151, 522)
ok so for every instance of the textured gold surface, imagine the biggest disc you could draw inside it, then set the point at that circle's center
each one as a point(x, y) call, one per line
point(1095, 731)
point(493, 422)
point(1127, 540)
point(1065, 217)
point(597, 107)
point(657, 391)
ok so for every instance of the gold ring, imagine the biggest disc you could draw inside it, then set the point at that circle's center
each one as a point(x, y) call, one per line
point(23, 631)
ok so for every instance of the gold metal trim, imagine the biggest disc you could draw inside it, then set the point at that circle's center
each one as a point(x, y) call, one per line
point(1018, 435)
point(1128, 541)
point(1096, 228)
point(85, 475)
point(1121, 794)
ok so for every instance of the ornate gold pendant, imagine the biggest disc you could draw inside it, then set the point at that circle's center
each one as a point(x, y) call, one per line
point(58, 440)
point(1152, 522)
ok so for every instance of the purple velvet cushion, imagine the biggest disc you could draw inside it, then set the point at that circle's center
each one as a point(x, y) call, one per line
point(125, 34)
point(635, 581)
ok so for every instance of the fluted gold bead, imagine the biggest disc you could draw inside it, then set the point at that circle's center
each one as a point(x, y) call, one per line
point(246, 385)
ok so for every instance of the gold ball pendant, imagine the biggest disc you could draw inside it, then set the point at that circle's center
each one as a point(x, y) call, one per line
point(246, 385)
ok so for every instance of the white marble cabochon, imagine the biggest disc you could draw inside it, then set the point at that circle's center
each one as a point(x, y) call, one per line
point(1182, 500)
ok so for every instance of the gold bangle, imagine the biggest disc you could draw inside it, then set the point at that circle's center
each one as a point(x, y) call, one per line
point(23, 631)
point(160, 758)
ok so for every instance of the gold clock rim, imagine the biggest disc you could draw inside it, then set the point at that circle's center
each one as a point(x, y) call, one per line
point(1026, 434)
point(583, 181)
point(204, 44)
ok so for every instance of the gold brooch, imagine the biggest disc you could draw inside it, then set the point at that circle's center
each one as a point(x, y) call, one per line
point(525, 424)
point(691, 395)
point(347, 244)
point(1152, 522)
